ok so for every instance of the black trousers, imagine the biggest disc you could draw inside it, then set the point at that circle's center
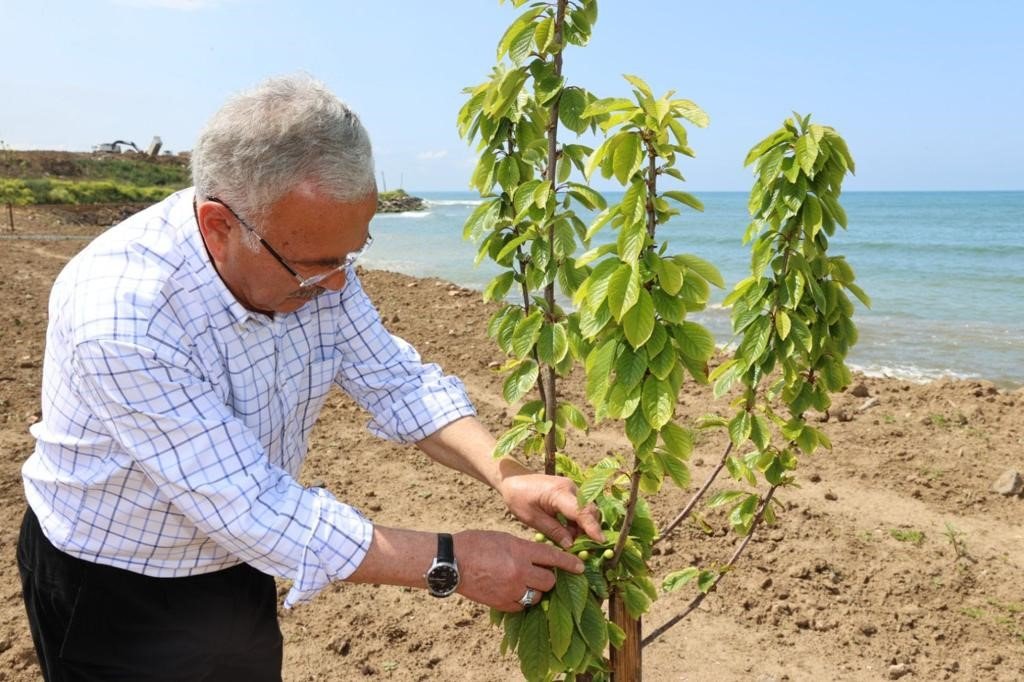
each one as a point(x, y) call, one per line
point(95, 623)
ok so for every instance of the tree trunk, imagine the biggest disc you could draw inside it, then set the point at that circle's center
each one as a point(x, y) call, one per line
point(627, 663)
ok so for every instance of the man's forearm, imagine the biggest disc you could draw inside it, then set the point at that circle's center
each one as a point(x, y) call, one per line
point(467, 446)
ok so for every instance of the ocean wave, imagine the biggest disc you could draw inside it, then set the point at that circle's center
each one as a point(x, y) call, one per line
point(912, 373)
point(454, 202)
point(404, 214)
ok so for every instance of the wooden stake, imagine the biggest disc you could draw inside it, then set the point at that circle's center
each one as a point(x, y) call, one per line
point(627, 662)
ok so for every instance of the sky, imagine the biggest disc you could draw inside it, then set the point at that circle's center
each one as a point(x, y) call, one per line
point(928, 94)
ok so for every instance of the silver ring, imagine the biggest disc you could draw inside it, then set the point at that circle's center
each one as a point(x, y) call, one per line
point(529, 597)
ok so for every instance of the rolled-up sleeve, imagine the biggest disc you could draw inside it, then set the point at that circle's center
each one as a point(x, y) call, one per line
point(407, 398)
point(208, 467)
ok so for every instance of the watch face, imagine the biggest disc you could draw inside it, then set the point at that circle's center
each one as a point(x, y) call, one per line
point(442, 579)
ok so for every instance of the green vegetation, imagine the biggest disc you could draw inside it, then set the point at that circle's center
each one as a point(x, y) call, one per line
point(47, 191)
point(131, 170)
point(14, 193)
point(70, 178)
point(915, 537)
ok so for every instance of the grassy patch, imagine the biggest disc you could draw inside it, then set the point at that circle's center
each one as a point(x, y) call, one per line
point(910, 535)
point(47, 191)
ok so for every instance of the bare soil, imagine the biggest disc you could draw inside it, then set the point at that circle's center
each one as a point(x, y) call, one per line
point(859, 580)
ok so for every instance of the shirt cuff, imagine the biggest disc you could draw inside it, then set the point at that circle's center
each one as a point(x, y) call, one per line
point(337, 544)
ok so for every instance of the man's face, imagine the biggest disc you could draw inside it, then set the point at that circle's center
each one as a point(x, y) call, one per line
point(312, 233)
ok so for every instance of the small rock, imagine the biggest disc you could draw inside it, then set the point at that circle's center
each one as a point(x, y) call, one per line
point(868, 629)
point(1010, 483)
point(860, 391)
point(897, 671)
point(869, 403)
point(814, 478)
point(843, 415)
point(410, 285)
point(831, 496)
point(394, 318)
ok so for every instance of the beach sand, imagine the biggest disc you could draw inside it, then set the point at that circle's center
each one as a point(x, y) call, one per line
point(858, 580)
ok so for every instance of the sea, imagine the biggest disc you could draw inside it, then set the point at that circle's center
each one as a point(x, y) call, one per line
point(944, 270)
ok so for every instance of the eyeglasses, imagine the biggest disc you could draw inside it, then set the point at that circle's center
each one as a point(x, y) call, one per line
point(304, 282)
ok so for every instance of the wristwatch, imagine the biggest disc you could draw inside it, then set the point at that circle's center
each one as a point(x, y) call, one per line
point(443, 575)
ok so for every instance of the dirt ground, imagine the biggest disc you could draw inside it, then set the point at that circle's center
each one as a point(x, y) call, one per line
point(859, 580)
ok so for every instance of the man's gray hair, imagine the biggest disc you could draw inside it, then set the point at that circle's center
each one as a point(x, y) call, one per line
point(267, 141)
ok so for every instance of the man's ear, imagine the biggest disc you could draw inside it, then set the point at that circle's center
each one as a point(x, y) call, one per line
point(215, 224)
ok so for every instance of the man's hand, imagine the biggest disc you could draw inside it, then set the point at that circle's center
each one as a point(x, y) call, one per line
point(535, 499)
point(497, 568)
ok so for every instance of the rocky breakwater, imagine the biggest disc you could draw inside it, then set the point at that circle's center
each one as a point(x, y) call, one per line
point(398, 201)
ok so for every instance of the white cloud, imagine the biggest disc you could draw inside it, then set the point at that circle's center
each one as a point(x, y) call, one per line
point(432, 155)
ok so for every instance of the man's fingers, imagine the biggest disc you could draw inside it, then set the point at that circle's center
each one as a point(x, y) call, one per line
point(588, 518)
point(555, 531)
point(545, 555)
point(541, 579)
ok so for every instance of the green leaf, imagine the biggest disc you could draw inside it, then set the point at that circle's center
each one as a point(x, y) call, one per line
point(553, 343)
point(670, 277)
point(691, 112)
point(520, 381)
point(576, 588)
point(685, 198)
point(607, 105)
point(634, 203)
point(859, 293)
point(482, 219)
point(593, 629)
point(567, 413)
point(657, 402)
point(570, 109)
point(703, 268)
point(526, 333)
point(739, 427)
point(623, 290)
point(706, 580)
point(782, 323)
point(560, 622)
point(534, 645)
point(512, 438)
point(694, 340)
point(631, 242)
point(587, 196)
point(630, 367)
point(635, 599)
point(664, 362)
point(594, 485)
point(638, 321)
point(806, 153)
point(675, 468)
point(673, 581)
point(499, 286)
point(669, 307)
point(639, 84)
point(628, 157)
point(517, 26)
point(678, 441)
point(725, 497)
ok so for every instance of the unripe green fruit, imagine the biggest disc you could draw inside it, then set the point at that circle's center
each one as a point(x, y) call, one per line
point(584, 555)
point(608, 554)
point(539, 537)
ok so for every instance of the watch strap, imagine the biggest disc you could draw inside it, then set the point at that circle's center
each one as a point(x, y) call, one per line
point(445, 548)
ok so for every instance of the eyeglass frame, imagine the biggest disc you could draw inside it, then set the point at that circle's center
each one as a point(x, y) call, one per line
point(304, 282)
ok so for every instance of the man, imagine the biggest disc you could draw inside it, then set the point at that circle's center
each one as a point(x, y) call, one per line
point(189, 352)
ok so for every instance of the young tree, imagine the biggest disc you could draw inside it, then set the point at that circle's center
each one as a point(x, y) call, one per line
point(630, 330)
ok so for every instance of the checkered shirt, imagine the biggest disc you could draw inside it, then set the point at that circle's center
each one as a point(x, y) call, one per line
point(175, 421)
